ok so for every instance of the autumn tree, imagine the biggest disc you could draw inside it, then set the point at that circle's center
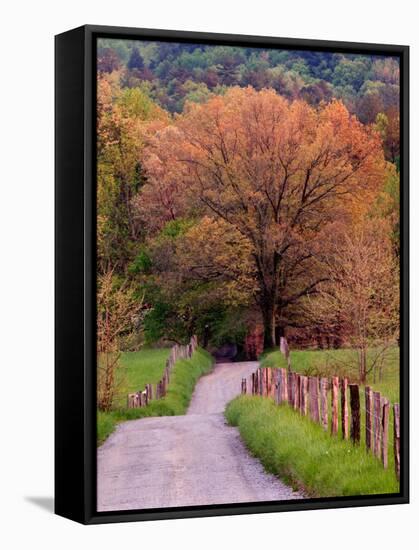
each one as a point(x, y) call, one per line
point(361, 295)
point(107, 61)
point(118, 309)
point(278, 172)
point(125, 116)
point(212, 250)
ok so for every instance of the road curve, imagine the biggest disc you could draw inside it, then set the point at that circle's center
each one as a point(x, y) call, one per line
point(190, 460)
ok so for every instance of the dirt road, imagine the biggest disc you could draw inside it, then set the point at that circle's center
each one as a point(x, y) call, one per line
point(188, 460)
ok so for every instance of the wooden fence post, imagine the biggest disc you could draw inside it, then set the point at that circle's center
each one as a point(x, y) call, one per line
point(313, 390)
point(344, 407)
point(324, 386)
point(260, 380)
point(294, 390)
point(335, 404)
point(244, 385)
point(368, 418)
point(130, 401)
point(284, 381)
point(384, 427)
point(268, 381)
point(279, 387)
point(274, 382)
point(377, 423)
point(283, 386)
point(289, 382)
point(355, 414)
point(265, 381)
point(144, 400)
point(297, 392)
point(303, 395)
point(396, 413)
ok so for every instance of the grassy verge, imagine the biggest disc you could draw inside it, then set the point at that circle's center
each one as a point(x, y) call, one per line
point(305, 456)
point(185, 374)
point(139, 368)
point(342, 363)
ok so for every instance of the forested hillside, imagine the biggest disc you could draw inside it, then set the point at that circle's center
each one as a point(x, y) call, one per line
point(172, 74)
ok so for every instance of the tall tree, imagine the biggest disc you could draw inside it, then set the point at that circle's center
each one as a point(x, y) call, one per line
point(108, 61)
point(361, 294)
point(278, 172)
point(135, 62)
point(117, 308)
point(124, 119)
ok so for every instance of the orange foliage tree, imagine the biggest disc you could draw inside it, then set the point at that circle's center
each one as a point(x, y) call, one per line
point(278, 172)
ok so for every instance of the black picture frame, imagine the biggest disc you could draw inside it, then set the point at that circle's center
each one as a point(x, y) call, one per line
point(75, 243)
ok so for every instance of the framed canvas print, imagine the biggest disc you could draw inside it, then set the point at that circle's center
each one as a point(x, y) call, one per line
point(231, 274)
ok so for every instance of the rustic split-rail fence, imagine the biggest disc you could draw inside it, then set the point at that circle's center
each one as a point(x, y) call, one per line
point(143, 397)
point(309, 396)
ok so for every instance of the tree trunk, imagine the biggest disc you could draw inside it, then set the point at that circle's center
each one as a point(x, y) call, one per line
point(362, 365)
point(205, 338)
point(268, 315)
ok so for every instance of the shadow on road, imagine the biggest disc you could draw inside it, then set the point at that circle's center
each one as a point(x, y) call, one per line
point(225, 354)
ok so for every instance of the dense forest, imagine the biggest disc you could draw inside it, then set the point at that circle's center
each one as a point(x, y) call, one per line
point(244, 194)
point(172, 74)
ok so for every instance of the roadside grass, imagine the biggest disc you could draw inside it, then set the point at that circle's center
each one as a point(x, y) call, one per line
point(139, 368)
point(342, 362)
point(303, 454)
point(185, 374)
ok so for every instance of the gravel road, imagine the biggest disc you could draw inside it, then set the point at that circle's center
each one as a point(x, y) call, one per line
point(188, 460)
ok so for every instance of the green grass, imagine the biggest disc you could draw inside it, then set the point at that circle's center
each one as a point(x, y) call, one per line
point(185, 374)
point(303, 454)
point(139, 368)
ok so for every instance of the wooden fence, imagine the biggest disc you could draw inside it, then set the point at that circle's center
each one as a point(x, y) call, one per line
point(309, 396)
point(143, 397)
